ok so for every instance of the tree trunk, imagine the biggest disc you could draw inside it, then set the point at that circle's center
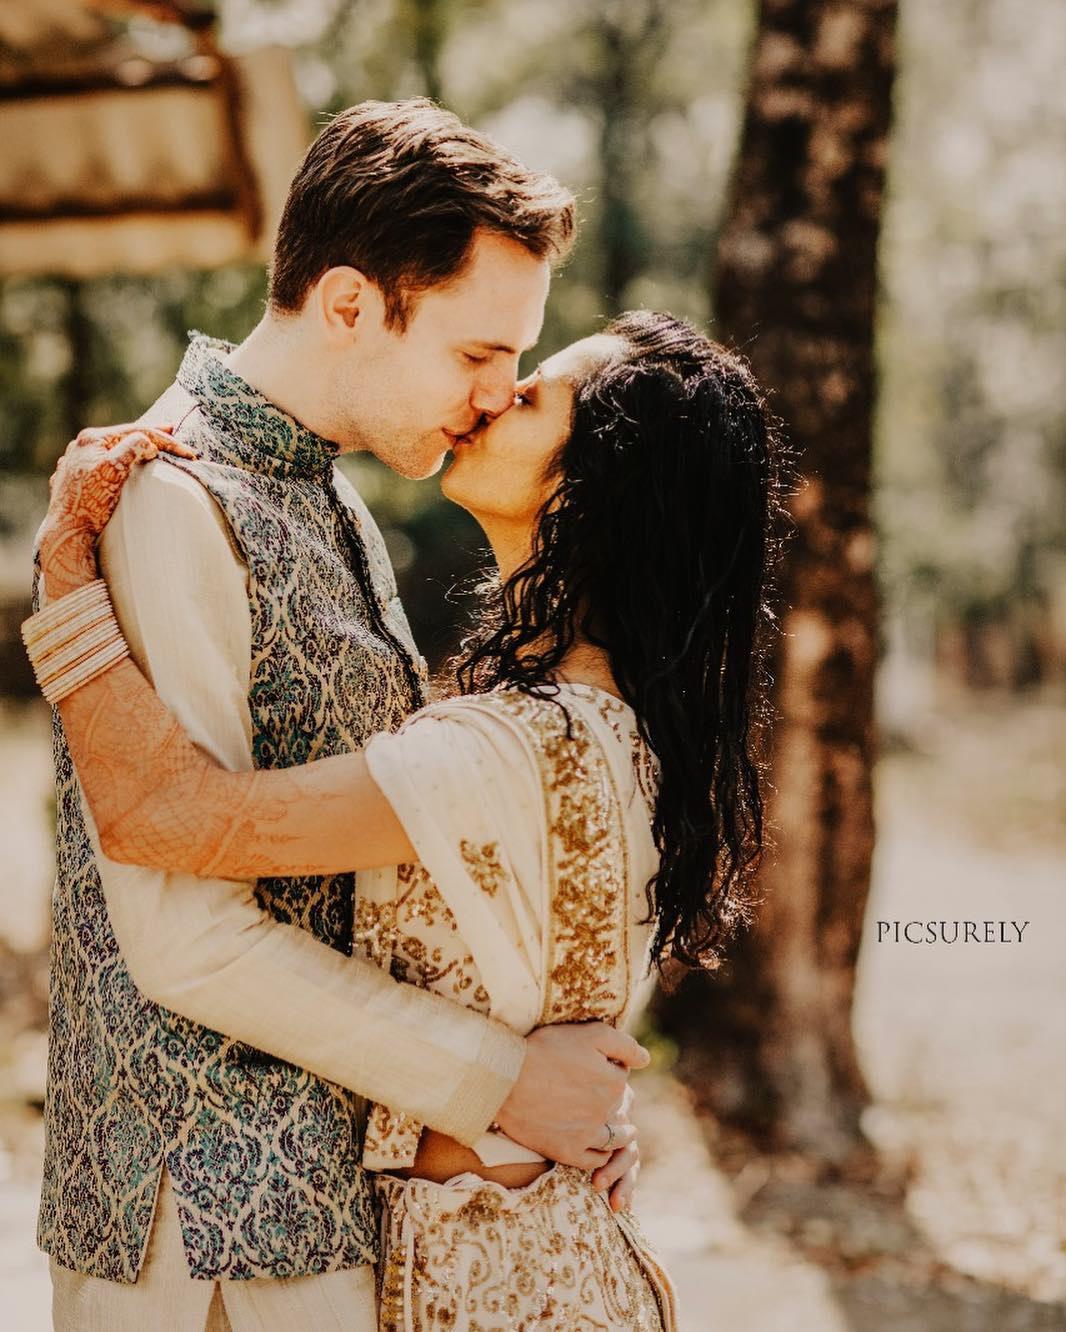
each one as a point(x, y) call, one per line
point(767, 1042)
point(429, 27)
point(628, 35)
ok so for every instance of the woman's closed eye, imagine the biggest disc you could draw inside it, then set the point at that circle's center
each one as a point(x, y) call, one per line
point(526, 392)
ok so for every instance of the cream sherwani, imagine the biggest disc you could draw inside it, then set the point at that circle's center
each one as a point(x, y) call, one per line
point(206, 950)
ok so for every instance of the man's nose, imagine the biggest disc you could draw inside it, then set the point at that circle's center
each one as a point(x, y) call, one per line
point(493, 394)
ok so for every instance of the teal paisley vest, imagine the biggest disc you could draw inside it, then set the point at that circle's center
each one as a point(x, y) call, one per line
point(263, 1156)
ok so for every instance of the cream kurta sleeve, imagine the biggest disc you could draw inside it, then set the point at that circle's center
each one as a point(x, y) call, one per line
point(204, 947)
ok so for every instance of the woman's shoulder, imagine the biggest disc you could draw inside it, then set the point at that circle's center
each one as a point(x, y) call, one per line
point(563, 732)
point(568, 731)
point(549, 712)
point(497, 725)
point(502, 702)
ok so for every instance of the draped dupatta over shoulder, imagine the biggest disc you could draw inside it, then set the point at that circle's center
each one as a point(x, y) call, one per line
point(532, 822)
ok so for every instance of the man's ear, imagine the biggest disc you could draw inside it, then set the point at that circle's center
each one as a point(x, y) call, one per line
point(347, 302)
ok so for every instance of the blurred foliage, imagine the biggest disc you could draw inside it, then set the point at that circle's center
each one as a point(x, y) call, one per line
point(971, 487)
point(636, 104)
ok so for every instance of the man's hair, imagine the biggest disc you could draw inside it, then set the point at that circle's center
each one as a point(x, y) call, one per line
point(398, 190)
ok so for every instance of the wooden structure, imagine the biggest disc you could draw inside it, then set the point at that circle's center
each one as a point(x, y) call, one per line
point(132, 143)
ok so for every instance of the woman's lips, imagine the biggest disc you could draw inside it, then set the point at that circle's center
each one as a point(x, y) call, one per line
point(469, 437)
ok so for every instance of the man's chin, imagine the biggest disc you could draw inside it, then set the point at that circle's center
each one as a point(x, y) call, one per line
point(431, 469)
point(415, 466)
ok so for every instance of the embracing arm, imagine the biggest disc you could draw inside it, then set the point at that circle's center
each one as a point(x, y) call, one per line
point(161, 802)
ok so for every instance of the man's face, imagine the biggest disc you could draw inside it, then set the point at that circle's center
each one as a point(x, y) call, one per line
point(411, 393)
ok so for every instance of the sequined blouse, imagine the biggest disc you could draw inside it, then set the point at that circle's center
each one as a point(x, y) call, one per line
point(532, 822)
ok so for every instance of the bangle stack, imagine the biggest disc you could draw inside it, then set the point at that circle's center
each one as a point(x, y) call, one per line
point(73, 640)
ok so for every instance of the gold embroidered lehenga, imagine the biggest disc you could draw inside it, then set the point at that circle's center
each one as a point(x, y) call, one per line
point(533, 829)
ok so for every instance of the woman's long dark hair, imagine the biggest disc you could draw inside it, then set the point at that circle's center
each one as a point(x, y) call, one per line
point(658, 546)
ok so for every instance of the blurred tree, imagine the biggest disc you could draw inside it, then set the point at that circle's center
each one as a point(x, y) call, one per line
point(77, 387)
point(629, 41)
point(428, 20)
point(768, 1044)
point(971, 430)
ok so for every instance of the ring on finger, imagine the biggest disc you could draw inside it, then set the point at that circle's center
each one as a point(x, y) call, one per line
point(609, 1145)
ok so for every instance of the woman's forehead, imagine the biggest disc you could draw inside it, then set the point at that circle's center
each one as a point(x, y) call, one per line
point(577, 360)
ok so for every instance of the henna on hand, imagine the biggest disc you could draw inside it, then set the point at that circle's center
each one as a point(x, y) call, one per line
point(85, 490)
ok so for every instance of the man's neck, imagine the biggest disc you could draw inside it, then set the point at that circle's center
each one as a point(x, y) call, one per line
point(276, 361)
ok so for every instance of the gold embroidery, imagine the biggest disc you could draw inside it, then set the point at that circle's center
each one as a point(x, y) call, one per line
point(422, 915)
point(588, 943)
point(646, 768)
point(551, 1256)
point(484, 865)
point(611, 710)
point(391, 1139)
point(645, 764)
point(375, 923)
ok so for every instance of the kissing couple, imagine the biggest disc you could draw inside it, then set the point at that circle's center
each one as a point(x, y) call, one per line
point(339, 973)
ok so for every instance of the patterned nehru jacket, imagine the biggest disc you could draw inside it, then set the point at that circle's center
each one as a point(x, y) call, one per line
point(264, 1157)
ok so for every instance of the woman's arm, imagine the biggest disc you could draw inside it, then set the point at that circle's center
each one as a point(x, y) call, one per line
point(156, 798)
point(159, 801)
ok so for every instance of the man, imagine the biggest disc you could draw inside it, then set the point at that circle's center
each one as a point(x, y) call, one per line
point(212, 1042)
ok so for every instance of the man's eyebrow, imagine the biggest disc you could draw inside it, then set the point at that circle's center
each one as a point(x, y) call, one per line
point(499, 346)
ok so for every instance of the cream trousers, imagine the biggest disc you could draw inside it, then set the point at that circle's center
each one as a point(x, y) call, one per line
point(165, 1298)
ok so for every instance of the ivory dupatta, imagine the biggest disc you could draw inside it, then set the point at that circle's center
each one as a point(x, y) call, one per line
point(534, 841)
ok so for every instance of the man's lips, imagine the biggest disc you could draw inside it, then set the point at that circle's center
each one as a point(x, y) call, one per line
point(465, 437)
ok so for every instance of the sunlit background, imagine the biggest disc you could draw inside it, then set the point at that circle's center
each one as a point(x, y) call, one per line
point(143, 158)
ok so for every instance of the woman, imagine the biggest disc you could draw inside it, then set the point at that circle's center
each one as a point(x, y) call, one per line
point(590, 800)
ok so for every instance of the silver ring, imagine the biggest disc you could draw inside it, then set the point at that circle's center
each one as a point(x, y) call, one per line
point(610, 1138)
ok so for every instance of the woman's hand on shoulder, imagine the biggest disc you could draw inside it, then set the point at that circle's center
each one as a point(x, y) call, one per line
point(85, 490)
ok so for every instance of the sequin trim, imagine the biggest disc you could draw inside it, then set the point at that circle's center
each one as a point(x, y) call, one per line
point(586, 951)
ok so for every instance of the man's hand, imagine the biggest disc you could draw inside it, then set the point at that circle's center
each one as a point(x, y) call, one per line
point(569, 1101)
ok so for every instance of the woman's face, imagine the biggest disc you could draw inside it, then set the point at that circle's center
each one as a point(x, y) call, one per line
point(499, 471)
